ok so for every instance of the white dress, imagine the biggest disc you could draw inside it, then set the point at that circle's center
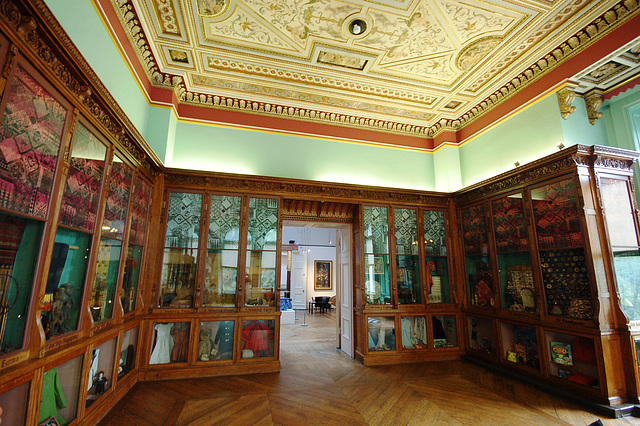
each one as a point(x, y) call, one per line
point(164, 344)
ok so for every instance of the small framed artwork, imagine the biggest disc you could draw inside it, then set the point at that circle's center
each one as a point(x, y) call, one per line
point(322, 275)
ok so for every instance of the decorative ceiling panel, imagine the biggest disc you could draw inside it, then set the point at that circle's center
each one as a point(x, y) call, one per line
point(414, 67)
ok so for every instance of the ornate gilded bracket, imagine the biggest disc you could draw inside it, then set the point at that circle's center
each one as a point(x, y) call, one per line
point(566, 95)
point(593, 100)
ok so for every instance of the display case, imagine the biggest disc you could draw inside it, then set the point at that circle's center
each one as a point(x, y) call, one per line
point(14, 404)
point(565, 240)
point(517, 289)
point(567, 287)
point(520, 345)
point(478, 265)
point(128, 350)
point(445, 331)
point(177, 285)
point(407, 258)
point(170, 343)
point(258, 339)
point(216, 340)
point(61, 391)
point(481, 335)
point(100, 371)
point(223, 243)
point(262, 253)
point(413, 332)
point(435, 254)
point(376, 255)
point(381, 333)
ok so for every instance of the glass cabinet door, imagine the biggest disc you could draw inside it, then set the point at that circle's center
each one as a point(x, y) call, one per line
point(178, 280)
point(262, 237)
point(133, 261)
point(562, 256)
point(480, 283)
point(435, 250)
point(512, 251)
point(221, 269)
point(111, 241)
point(407, 258)
point(623, 237)
point(376, 255)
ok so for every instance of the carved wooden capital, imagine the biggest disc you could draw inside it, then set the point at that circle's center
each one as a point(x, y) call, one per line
point(566, 96)
point(593, 100)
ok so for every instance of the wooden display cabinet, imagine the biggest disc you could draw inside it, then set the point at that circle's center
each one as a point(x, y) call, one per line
point(542, 229)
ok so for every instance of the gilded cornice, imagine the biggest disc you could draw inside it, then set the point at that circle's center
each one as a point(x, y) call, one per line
point(564, 161)
point(608, 21)
point(301, 189)
point(75, 75)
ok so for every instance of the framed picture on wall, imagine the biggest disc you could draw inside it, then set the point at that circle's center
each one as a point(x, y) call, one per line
point(322, 275)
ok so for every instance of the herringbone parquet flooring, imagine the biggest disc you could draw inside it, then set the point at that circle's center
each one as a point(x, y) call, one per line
point(319, 385)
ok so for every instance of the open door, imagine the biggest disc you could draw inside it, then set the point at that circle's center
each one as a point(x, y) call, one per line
point(345, 314)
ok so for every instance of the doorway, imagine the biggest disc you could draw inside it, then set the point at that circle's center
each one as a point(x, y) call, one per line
point(318, 263)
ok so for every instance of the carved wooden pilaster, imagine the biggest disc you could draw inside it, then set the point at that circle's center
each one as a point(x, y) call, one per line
point(566, 96)
point(593, 100)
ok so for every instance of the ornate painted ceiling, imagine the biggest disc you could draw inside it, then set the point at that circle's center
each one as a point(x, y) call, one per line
point(412, 67)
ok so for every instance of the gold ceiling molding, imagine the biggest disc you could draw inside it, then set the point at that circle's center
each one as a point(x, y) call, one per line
point(84, 87)
point(605, 23)
point(317, 210)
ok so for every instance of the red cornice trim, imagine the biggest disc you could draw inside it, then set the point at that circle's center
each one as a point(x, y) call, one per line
point(619, 90)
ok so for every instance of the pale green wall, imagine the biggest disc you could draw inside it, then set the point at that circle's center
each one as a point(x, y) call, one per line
point(577, 129)
point(527, 136)
point(160, 132)
point(214, 148)
point(446, 164)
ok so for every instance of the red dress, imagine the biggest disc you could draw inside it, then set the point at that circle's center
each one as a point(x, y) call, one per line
point(180, 350)
point(256, 337)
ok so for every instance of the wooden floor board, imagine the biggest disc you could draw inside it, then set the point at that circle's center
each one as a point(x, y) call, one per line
point(321, 385)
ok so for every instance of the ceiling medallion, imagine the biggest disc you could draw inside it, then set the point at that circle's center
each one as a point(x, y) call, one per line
point(357, 26)
point(212, 8)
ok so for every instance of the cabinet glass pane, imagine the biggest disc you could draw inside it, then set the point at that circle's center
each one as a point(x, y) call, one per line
point(216, 340)
point(258, 338)
point(382, 334)
point(520, 345)
point(262, 236)
point(19, 245)
point(100, 371)
point(178, 278)
point(128, 349)
point(445, 331)
point(263, 224)
point(131, 278)
point(60, 392)
point(32, 125)
point(221, 270)
point(566, 283)
point(65, 282)
point(81, 197)
point(555, 212)
point(115, 215)
point(377, 289)
point(481, 335)
point(260, 279)
point(170, 343)
point(414, 332)
point(14, 405)
point(407, 260)
point(104, 287)
point(619, 212)
point(141, 201)
point(572, 358)
point(435, 249)
point(408, 280)
point(376, 230)
point(480, 283)
point(183, 220)
point(627, 265)
point(376, 249)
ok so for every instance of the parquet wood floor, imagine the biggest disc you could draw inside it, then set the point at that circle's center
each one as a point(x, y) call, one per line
point(320, 385)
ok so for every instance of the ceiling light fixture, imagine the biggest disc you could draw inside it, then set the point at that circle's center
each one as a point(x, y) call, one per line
point(560, 146)
point(357, 27)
